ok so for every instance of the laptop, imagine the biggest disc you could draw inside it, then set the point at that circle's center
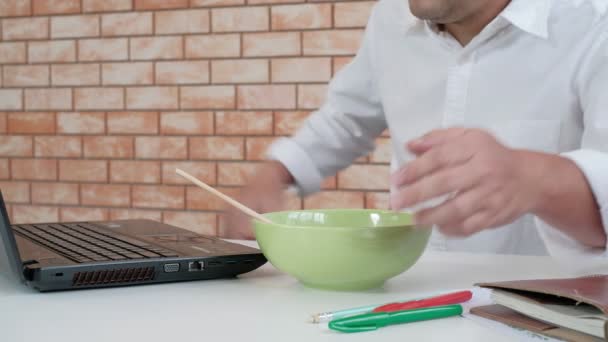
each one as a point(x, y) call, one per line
point(81, 255)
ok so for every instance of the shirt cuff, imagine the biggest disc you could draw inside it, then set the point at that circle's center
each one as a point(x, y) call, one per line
point(594, 165)
point(301, 166)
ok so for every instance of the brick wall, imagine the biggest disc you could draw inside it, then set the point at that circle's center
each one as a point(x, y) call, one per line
point(101, 100)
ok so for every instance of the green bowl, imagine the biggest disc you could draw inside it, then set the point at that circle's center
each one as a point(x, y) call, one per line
point(341, 249)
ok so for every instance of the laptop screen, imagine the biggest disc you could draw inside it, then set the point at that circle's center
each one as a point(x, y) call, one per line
point(10, 262)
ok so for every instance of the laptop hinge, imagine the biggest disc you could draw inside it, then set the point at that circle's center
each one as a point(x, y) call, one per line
point(28, 273)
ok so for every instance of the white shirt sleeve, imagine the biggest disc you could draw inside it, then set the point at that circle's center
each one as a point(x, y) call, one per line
point(592, 157)
point(342, 130)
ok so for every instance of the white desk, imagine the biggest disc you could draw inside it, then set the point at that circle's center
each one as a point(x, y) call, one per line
point(264, 305)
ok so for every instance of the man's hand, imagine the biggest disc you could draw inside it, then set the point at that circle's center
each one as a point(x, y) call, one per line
point(264, 193)
point(488, 181)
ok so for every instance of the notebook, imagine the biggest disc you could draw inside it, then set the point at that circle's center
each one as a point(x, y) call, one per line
point(573, 309)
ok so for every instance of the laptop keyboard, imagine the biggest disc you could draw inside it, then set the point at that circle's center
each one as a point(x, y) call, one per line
point(83, 242)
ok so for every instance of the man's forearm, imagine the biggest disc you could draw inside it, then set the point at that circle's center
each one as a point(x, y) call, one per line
point(277, 172)
point(565, 200)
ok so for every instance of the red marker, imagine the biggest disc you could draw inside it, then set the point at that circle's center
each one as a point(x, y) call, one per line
point(447, 299)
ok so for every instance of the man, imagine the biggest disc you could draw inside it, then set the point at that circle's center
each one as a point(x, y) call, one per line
point(500, 106)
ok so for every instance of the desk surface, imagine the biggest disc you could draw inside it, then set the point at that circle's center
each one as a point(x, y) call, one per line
point(262, 305)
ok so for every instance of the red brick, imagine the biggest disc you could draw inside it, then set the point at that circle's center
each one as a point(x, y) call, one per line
point(240, 71)
point(199, 199)
point(25, 28)
point(334, 200)
point(182, 72)
point(55, 193)
point(225, 148)
point(131, 214)
point(42, 7)
point(106, 5)
point(201, 223)
point(202, 170)
point(134, 171)
point(329, 183)
point(133, 122)
point(138, 73)
point(382, 153)
point(377, 200)
point(286, 123)
point(311, 96)
point(186, 123)
point(48, 99)
point(12, 53)
point(149, 196)
point(215, 45)
point(365, 177)
point(34, 214)
point(26, 75)
point(245, 123)
point(256, 147)
point(352, 14)
point(107, 49)
point(75, 74)
point(266, 96)
point(293, 202)
point(215, 3)
point(156, 48)
point(185, 21)
point(4, 169)
point(83, 170)
point(161, 147)
point(15, 8)
point(271, 44)
point(127, 24)
point(207, 97)
point(231, 174)
point(105, 195)
point(152, 98)
point(52, 51)
point(76, 26)
point(160, 4)
point(297, 17)
point(108, 147)
point(57, 146)
point(11, 99)
point(335, 42)
point(340, 62)
point(34, 169)
point(15, 192)
point(98, 98)
point(301, 70)
point(15, 146)
point(80, 123)
point(31, 122)
point(83, 214)
point(257, 2)
point(241, 19)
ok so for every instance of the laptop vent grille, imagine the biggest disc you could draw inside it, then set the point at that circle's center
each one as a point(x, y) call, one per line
point(113, 276)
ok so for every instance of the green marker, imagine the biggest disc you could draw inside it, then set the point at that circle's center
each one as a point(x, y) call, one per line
point(373, 321)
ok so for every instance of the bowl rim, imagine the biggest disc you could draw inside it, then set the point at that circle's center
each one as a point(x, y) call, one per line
point(382, 211)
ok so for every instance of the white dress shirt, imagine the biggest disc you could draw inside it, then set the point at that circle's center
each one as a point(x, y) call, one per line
point(536, 77)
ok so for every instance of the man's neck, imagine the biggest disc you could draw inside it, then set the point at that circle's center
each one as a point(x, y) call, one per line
point(466, 29)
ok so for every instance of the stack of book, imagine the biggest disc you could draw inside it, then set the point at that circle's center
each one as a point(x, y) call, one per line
point(574, 309)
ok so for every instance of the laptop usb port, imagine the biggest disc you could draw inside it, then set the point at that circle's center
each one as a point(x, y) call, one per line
point(170, 268)
point(195, 266)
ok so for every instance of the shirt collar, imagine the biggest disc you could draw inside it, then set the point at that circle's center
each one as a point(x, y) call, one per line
point(531, 16)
